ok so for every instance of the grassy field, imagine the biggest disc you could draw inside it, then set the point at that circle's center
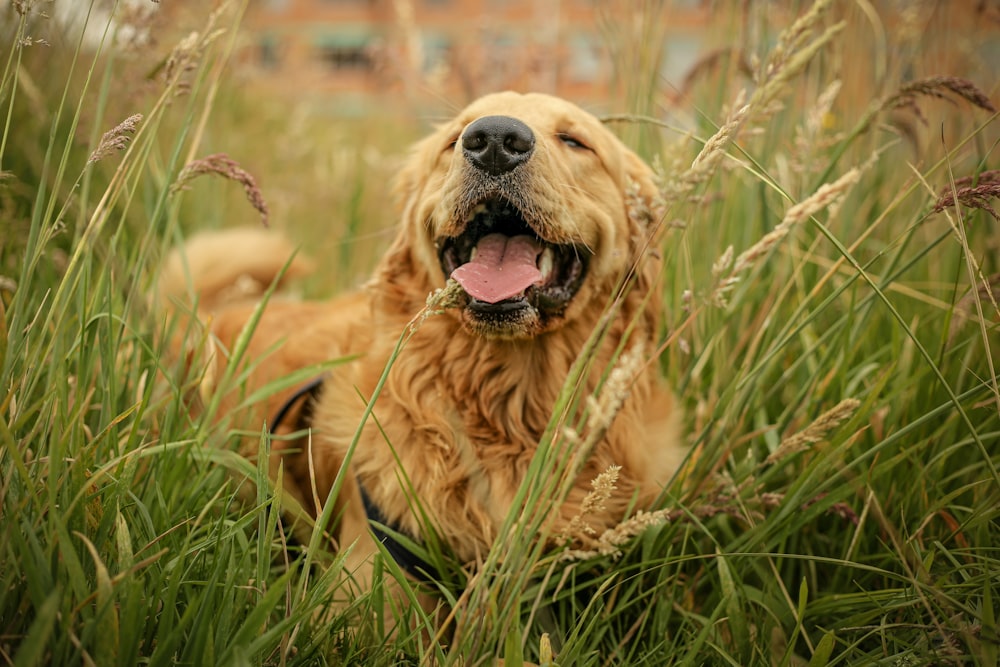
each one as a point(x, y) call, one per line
point(833, 275)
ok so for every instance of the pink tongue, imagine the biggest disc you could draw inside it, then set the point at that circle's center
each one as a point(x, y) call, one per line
point(502, 268)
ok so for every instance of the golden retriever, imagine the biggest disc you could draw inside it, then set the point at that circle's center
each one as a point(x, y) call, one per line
point(535, 209)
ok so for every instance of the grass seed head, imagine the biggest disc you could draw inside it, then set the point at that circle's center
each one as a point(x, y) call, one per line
point(221, 164)
point(116, 139)
point(940, 87)
point(972, 192)
point(438, 301)
point(595, 501)
point(829, 196)
point(612, 540)
point(816, 431)
point(605, 405)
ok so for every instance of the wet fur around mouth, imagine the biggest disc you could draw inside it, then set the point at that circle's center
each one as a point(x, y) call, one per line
point(563, 266)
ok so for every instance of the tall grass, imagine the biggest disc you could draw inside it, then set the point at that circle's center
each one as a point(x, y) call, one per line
point(831, 247)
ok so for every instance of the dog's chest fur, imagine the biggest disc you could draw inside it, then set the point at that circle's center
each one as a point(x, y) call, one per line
point(454, 429)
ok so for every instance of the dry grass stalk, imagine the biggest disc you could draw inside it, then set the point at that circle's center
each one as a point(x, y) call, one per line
point(842, 510)
point(602, 487)
point(796, 47)
point(135, 25)
point(602, 408)
point(645, 214)
point(940, 87)
point(817, 115)
point(222, 165)
point(183, 58)
point(572, 437)
point(722, 264)
point(816, 431)
point(611, 541)
point(794, 39)
point(187, 54)
point(711, 154)
point(116, 139)
point(828, 196)
point(412, 43)
point(966, 309)
point(972, 192)
point(449, 296)
point(809, 136)
point(713, 150)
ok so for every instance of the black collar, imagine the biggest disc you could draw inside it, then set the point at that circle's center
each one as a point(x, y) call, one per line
point(412, 564)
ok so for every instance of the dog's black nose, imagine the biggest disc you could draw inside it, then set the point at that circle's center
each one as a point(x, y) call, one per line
point(497, 144)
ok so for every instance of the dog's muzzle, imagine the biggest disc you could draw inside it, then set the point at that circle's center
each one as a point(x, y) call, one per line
point(516, 281)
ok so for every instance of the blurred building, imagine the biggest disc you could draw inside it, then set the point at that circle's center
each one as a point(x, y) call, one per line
point(458, 49)
point(351, 54)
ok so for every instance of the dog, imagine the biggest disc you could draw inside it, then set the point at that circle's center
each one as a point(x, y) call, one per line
point(537, 216)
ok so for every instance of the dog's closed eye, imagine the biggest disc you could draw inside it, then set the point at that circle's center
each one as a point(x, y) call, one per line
point(572, 141)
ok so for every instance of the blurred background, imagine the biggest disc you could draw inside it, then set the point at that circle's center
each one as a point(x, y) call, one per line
point(321, 98)
point(350, 56)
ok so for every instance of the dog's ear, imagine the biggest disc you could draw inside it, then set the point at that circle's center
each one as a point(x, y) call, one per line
point(401, 275)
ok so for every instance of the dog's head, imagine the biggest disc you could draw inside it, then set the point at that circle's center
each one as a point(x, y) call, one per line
point(522, 199)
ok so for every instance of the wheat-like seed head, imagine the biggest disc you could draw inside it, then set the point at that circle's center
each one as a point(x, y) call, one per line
point(116, 139)
point(221, 164)
point(828, 196)
point(611, 541)
point(595, 501)
point(603, 407)
point(816, 431)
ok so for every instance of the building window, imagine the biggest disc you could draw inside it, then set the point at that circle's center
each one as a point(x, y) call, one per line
point(437, 50)
point(346, 57)
point(345, 51)
point(267, 50)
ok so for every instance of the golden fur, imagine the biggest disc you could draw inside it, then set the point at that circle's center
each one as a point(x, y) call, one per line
point(468, 398)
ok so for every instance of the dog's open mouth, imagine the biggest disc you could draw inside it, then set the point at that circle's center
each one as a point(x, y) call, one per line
point(503, 265)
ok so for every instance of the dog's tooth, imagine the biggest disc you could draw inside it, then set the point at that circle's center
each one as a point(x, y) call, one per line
point(472, 255)
point(477, 210)
point(546, 263)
